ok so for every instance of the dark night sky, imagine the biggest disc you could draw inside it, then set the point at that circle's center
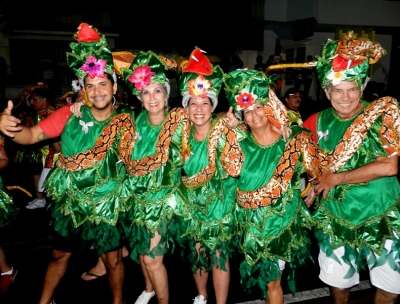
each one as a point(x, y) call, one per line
point(212, 25)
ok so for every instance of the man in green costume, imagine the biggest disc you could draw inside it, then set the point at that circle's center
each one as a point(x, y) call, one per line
point(87, 182)
point(358, 212)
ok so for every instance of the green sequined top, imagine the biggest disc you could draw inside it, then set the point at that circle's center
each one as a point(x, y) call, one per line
point(361, 214)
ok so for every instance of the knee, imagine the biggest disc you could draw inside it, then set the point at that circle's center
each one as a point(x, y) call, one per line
point(111, 259)
point(152, 264)
point(274, 286)
point(58, 255)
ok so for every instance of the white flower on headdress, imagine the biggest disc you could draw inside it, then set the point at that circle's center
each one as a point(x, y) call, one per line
point(336, 77)
point(76, 86)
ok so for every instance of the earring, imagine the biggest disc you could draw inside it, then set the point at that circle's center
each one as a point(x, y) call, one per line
point(114, 101)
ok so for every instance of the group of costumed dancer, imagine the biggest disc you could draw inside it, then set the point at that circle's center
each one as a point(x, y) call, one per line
point(212, 184)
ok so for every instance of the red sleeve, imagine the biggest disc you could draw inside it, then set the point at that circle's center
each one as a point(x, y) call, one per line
point(53, 125)
point(311, 124)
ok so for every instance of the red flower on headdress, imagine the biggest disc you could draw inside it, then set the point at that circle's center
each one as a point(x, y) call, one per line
point(199, 86)
point(87, 33)
point(94, 67)
point(141, 77)
point(245, 100)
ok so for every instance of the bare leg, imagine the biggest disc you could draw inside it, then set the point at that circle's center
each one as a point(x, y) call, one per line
point(157, 273)
point(125, 252)
point(115, 273)
point(384, 297)
point(340, 296)
point(275, 293)
point(221, 281)
point(100, 269)
point(55, 271)
point(4, 267)
point(148, 285)
point(200, 279)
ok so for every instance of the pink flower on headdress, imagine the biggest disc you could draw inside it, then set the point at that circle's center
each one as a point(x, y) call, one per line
point(94, 67)
point(199, 86)
point(141, 77)
point(245, 100)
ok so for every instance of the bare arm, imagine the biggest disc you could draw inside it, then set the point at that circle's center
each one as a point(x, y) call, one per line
point(381, 167)
point(28, 136)
point(11, 127)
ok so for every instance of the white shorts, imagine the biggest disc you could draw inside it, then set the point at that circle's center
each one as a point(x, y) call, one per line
point(382, 277)
point(42, 177)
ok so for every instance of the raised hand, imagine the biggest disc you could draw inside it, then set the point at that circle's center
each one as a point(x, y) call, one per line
point(9, 123)
point(233, 121)
point(76, 107)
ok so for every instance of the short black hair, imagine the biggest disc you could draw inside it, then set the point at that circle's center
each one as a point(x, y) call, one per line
point(291, 91)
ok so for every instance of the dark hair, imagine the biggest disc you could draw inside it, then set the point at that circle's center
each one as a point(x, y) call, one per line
point(108, 76)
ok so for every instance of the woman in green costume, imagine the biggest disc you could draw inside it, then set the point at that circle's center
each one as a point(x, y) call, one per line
point(154, 173)
point(274, 220)
point(211, 228)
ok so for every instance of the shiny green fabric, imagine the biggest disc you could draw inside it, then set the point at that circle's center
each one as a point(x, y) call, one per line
point(277, 231)
point(361, 215)
point(157, 198)
point(212, 219)
point(88, 202)
point(358, 73)
point(31, 153)
point(255, 82)
point(153, 61)
point(294, 117)
point(8, 210)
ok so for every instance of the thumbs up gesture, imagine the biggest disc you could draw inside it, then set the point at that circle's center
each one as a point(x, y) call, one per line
point(9, 123)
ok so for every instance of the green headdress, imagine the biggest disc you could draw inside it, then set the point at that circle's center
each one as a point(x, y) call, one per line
point(244, 88)
point(91, 55)
point(146, 68)
point(200, 78)
point(347, 59)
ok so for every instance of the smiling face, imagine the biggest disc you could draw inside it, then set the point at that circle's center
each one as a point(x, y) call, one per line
point(200, 111)
point(256, 117)
point(154, 98)
point(345, 98)
point(100, 91)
